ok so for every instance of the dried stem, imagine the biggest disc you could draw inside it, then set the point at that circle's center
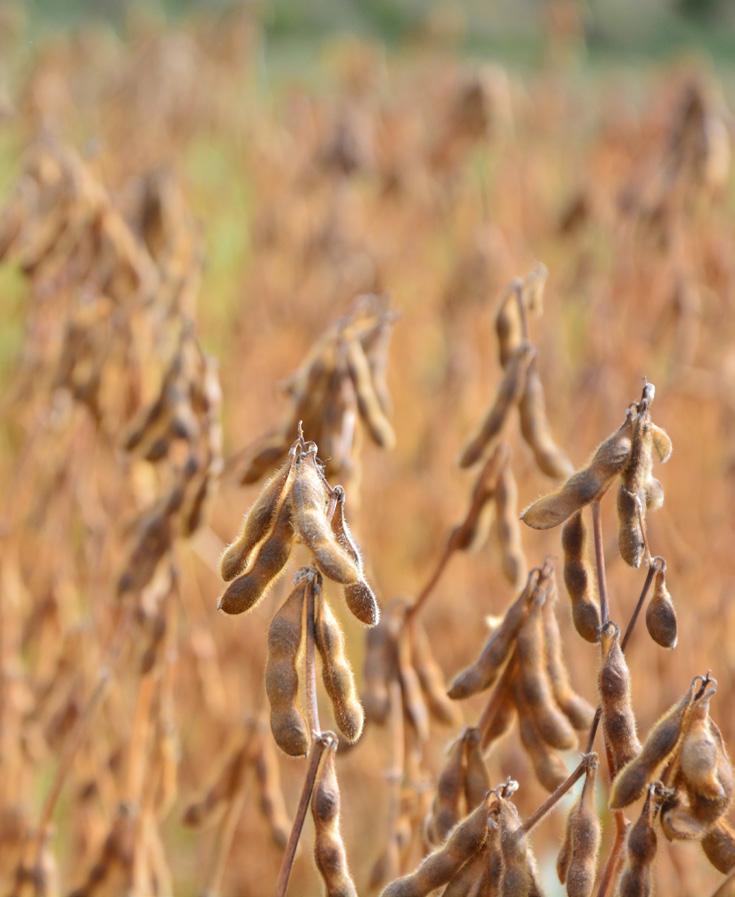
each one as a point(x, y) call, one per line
point(424, 594)
point(600, 561)
point(313, 589)
point(613, 861)
point(557, 795)
point(518, 294)
point(317, 749)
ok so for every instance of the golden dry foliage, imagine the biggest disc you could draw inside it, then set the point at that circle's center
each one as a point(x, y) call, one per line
point(218, 236)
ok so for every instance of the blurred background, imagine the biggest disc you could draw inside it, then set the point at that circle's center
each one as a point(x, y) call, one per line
point(242, 172)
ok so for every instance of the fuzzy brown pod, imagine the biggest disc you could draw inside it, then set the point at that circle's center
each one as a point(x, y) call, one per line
point(630, 781)
point(380, 667)
point(464, 840)
point(577, 862)
point(618, 719)
point(369, 405)
point(536, 431)
point(661, 621)
point(285, 636)
point(513, 561)
point(519, 873)
point(431, 677)
point(585, 485)
point(270, 793)
point(414, 703)
point(113, 868)
point(508, 394)
point(446, 808)
point(485, 670)
point(534, 683)
point(578, 711)
point(547, 765)
point(359, 596)
point(258, 522)
point(631, 500)
point(640, 849)
point(579, 579)
point(337, 675)
point(329, 850)
point(224, 786)
point(477, 781)
point(472, 533)
point(480, 875)
point(719, 846)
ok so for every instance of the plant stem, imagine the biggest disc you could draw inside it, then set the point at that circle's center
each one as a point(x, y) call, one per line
point(431, 582)
point(313, 589)
point(600, 561)
point(225, 837)
point(317, 749)
point(556, 795)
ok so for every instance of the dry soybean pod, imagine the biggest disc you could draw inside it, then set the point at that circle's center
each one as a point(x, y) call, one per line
point(719, 846)
point(257, 523)
point(446, 809)
point(662, 444)
point(519, 866)
point(310, 521)
point(583, 838)
point(431, 677)
point(585, 485)
point(379, 670)
point(637, 877)
point(704, 764)
point(579, 579)
point(630, 782)
point(413, 698)
point(485, 670)
point(503, 715)
point(359, 596)
point(271, 452)
point(631, 493)
point(660, 614)
point(270, 795)
point(281, 676)
point(247, 590)
point(368, 403)
point(508, 394)
point(329, 849)
point(513, 561)
point(479, 876)
point(578, 711)
point(465, 839)
point(536, 431)
point(337, 675)
point(547, 764)
point(508, 322)
point(471, 534)
point(618, 719)
point(476, 781)
point(533, 679)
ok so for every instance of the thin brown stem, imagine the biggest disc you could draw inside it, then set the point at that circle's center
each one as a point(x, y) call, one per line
point(613, 861)
point(518, 294)
point(428, 588)
point(317, 749)
point(557, 795)
point(313, 589)
point(600, 561)
point(225, 837)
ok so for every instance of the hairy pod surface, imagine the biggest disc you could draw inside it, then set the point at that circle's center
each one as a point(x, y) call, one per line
point(513, 560)
point(446, 808)
point(380, 668)
point(508, 393)
point(477, 781)
point(547, 764)
point(484, 671)
point(579, 579)
point(413, 698)
point(630, 781)
point(337, 675)
point(471, 534)
point(618, 719)
point(281, 675)
point(637, 877)
point(661, 620)
point(368, 403)
point(518, 877)
point(257, 523)
point(552, 725)
point(578, 711)
point(431, 677)
point(585, 485)
point(465, 839)
point(583, 837)
point(359, 596)
point(247, 590)
point(329, 849)
point(536, 431)
point(719, 846)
